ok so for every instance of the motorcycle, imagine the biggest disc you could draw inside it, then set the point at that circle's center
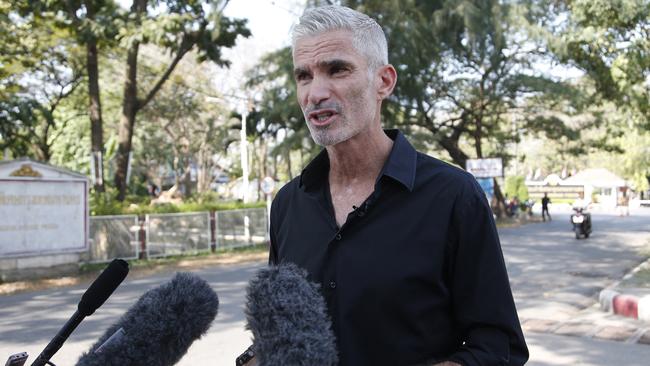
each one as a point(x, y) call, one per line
point(581, 222)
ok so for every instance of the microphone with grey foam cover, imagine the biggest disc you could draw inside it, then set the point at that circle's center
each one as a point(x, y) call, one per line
point(160, 327)
point(288, 318)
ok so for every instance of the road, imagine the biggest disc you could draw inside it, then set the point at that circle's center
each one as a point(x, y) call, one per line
point(555, 280)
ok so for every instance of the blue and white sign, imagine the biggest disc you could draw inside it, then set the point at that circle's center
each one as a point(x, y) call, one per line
point(488, 187)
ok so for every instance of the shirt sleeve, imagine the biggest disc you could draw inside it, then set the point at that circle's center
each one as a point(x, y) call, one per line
point(482, 301)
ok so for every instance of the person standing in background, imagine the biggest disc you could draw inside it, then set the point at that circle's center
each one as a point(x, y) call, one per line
point(545, 202)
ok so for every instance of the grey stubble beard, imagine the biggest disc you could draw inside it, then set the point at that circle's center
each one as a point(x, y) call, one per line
point(324, 136)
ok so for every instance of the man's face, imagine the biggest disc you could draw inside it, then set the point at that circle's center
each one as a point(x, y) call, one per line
point(335, 91)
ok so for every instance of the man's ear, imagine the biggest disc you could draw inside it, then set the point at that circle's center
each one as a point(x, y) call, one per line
point(386, 80)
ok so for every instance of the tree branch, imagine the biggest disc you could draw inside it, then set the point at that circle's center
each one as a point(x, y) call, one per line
point(185, 46)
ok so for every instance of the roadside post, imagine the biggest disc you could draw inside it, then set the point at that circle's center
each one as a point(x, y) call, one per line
point(268, 185)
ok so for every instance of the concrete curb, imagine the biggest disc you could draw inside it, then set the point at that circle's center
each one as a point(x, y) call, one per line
point(626, 305)
point(637, 307)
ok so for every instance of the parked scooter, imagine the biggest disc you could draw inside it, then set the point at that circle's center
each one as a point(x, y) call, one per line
point(581, 222)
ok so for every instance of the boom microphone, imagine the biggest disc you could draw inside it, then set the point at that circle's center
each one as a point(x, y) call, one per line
point(159, 329)
point(288, 319)
point(93, 298)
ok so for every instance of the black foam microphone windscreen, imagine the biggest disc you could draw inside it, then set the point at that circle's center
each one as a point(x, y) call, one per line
point(92, 299)
point(103, 286)
point(160, 327)
point(288, 319)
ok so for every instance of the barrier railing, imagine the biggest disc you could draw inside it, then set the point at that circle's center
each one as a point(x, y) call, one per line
point(161, 235)
point(237, 228)
point(178, 233)
point(113, 237)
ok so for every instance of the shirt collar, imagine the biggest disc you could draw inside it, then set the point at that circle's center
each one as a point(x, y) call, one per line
point(400, 165)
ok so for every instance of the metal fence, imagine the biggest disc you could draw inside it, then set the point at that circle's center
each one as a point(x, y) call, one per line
point(238, 228)
point(179, 233)
point(113, 237)
point(174, 234)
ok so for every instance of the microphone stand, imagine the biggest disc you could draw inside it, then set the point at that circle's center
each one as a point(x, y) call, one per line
point(58, 340)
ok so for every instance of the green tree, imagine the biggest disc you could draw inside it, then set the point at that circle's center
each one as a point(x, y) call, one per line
point(279, 109)
point(176, 27)
point(466, 67)
point(516, 187)
point(92, 23)
point(610, 41)
point(41, 68)
point(185, 130)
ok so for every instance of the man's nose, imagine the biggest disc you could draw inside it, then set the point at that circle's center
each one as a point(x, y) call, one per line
point(319, 91)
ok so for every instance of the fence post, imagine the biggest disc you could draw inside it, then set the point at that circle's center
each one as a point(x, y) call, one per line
point(213, 231)
point(143, 237)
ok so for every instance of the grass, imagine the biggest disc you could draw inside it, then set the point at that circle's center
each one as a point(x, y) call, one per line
point(176, 259)
point(641, 278)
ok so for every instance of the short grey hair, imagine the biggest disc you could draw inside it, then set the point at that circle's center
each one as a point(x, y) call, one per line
point(367, 36)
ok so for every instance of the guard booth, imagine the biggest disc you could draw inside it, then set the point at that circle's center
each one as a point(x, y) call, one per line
point(44, 219)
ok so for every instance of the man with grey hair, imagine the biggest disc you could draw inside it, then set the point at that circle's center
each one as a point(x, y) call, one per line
point(404, 245)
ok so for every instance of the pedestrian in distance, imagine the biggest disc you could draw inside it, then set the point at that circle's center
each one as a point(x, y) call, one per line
point(404, 246)
point(623, 202)
point(545, 203)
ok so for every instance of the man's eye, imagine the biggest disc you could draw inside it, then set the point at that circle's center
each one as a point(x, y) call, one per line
point(337, 69)
point(303, 76)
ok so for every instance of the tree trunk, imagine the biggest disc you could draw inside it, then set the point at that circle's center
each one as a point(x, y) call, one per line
point(499, 207)
point(275, 168)
point(187, 177)
point(127, 121)
point(451, 146)
point(203, 174)
point(41, 147)
point(477, 139)
point(262, 172)
point(95, 114)
point(288, 154)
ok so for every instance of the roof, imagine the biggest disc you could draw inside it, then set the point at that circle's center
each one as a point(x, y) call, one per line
point(43, 170)
point(598, 177)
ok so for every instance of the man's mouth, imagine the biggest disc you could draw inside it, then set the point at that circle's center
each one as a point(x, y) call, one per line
point(321, 117)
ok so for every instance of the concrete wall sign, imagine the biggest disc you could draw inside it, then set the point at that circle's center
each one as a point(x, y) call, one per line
point(43, 210)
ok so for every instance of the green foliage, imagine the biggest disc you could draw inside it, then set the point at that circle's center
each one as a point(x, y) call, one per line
point(610, 41)
point(17, 118)
point(278, 105)
point(40, 68)
point(516, 187)
point(178, 26)
point(107, 204)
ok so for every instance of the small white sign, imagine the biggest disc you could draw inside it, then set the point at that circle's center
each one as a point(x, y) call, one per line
point(485, 168)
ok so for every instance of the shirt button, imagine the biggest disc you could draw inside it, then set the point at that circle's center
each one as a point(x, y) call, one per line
point(332, 284)
point(338, 236)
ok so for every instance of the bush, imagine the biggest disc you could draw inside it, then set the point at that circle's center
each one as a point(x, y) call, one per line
point(516, 187)
point(106, 204)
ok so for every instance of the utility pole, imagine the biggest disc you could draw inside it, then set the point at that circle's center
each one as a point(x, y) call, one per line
point(244, 151)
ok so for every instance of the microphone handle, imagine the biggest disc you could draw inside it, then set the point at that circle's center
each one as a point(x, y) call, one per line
point(56, 342)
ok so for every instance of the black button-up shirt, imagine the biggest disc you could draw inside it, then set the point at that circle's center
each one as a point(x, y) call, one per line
point(415, 275)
